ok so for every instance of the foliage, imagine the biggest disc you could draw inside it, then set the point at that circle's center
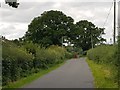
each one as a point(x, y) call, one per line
point(49, 56)
point(103, 54)
point(26, 80)
point(31, 48)
point(118, 60)
point(74, 50)
point(16, 63)
point(104, 75)
point(0, 62)
point(19, 62)
point(49, 28)
point(86, 34)
point(52, 26)
point(106, 56)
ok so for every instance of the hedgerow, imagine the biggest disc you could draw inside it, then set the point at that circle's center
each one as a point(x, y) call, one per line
point(16, 63)
point(103, 54)
point(106, 55)
point(19, 62)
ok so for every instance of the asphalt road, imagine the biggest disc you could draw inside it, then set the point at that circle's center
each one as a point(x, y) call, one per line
point(75, 73)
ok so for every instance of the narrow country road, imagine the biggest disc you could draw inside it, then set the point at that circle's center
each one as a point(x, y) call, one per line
point(75, 73)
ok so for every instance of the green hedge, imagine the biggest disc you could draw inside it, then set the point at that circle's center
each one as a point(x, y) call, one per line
point(18, 62)
point(118, 59)
point(103, 54)
point(73, 52)
point(106, 55)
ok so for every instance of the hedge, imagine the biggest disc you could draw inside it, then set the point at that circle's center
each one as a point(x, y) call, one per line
point(106, 55)
point(16, 63)
point(19, 62)
point(103, 54)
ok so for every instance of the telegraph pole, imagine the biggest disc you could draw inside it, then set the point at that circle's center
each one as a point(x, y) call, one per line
point(62, 41)
point(91, 42)
point(114, 34)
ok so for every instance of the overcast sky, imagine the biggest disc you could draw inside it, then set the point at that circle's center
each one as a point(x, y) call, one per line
point(14, 22)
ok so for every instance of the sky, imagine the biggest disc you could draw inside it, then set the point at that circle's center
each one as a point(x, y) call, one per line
point(14, 22)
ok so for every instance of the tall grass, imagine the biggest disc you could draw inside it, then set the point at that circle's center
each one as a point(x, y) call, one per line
point(104, 75)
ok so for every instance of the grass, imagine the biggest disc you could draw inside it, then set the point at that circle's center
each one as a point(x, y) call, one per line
point(29, 79)
point(104, 75)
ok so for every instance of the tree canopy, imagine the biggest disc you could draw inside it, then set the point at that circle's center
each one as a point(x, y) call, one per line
point(87, 34)
point(50, 28)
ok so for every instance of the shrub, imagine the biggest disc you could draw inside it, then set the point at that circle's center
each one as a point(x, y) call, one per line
point(106, 55)
point(18, 62)
point(69, 55)
point(48, 57)
point(102, 54)
point(60, 52)
point(31, 48)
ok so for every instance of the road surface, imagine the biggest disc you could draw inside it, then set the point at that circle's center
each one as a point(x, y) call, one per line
point(75, 73)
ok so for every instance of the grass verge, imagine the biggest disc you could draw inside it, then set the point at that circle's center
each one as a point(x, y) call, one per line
point(29, 79)
point(104, 75)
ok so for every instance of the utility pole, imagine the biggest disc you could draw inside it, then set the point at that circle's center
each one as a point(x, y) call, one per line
point(91, 42)
point(62, 41)
point(114, 34)
point(91, 38)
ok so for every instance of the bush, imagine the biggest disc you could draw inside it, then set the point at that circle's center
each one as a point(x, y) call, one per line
point(18, 62)
point(74, 51)
point(118, 60)
point(69, 55)
point(106, 55)
point(31, 48)
point(48, 57)
point(102, 54)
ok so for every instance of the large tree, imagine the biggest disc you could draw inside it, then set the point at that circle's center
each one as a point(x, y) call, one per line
point(87, 35)
point(49, 28)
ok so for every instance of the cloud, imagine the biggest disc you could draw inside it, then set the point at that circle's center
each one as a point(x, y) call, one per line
point(119, 18)
point(29, 10)
point(13, 31)
point(25, 13)
point(95, 12)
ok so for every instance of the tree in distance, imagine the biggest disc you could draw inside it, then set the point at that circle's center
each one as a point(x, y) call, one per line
point(49, 28)
point(87, 34)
